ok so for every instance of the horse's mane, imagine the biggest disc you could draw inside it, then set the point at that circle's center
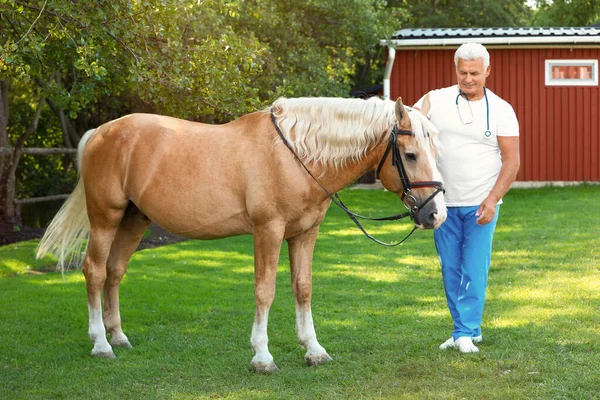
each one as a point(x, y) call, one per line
point(336, 130)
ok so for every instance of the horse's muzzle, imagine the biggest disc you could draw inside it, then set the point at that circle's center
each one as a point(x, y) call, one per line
point(429, 217)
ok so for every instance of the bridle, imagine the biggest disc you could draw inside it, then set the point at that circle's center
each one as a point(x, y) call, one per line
point(409, 201)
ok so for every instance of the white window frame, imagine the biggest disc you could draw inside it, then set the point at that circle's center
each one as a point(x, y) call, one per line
point(593, 81)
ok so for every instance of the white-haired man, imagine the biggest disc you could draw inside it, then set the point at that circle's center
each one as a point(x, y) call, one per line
point(478, 159)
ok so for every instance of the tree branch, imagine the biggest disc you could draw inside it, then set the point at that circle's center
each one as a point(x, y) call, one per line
point(436, 3)
point(62, 17)
point(125, 46)
point(70, 136)
point(34, 22)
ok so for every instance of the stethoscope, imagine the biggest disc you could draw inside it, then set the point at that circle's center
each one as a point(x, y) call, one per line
point(487, 132)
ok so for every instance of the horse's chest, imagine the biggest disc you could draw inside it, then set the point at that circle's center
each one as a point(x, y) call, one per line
point(305, 220)
point(302, 224)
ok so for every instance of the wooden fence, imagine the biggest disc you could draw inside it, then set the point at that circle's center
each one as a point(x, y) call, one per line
point(40, 152)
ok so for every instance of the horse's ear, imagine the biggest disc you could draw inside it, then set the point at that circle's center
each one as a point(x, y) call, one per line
point(401, 114)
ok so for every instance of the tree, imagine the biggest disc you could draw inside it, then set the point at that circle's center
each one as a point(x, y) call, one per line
point(315, 48)
point(465, 13)
point(71, 57)
point(210, 60)
point(566, 13)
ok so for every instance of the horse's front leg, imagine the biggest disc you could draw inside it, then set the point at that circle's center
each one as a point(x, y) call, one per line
point(301, 250)
point(267, 246)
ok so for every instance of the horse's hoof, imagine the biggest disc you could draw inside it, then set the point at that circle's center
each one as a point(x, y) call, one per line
point(317, 359)
point(104, 354)
point(264, 368)
point(123, 344)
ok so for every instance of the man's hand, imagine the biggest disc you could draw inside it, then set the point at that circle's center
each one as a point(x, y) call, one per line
point(486, 211)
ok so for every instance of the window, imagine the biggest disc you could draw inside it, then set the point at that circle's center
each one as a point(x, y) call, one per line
point(572, 72)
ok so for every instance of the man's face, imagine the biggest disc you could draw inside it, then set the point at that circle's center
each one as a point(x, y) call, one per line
point(471, 76)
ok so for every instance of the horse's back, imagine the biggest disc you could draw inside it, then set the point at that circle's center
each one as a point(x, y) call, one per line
point(154, 126)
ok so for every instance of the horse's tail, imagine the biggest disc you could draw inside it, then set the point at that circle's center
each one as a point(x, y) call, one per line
point(65, 236)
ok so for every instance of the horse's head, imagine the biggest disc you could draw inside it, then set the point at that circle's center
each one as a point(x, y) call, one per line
point(408, 167)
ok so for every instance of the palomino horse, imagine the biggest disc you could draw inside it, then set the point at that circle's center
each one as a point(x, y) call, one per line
point(213, 181)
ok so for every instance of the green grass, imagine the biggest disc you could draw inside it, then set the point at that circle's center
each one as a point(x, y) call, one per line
point(380, 313)
point(19, 258)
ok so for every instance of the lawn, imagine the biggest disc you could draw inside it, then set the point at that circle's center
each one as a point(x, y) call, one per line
point(380, 312)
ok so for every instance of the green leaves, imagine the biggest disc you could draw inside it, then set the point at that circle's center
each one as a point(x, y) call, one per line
point(566, 12)
point(468, 13)
point(210, 59)
point(214, 60)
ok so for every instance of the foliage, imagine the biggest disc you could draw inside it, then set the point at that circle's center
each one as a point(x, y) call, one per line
point(209, 60)
point(39, 176)
point(465, 13)
point(566, 13)
point(161, 49)
point(315, 49)
point(380, 312)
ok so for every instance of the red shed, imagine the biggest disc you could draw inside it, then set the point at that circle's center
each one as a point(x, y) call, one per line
point(549, 75)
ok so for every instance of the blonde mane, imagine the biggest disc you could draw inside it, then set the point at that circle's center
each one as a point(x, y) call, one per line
point(333, 131)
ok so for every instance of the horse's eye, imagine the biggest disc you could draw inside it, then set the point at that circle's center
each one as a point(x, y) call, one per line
point(410, 157)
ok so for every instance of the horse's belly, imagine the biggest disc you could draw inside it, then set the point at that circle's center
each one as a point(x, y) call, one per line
point(205, 216)
point(204, 229)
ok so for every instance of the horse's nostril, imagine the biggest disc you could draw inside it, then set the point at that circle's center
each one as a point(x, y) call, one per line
point(433, 218)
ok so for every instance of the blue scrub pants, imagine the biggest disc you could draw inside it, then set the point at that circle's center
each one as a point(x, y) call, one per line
point(465, 251)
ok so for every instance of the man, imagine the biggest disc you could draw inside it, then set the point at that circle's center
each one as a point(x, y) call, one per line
point(478, 159)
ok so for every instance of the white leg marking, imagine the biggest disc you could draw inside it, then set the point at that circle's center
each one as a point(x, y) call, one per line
point(97, 334)
point(307, 338)
point(260, 341)
point(305, 331)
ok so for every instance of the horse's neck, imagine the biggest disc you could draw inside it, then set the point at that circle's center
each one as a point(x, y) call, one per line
point(336, 179)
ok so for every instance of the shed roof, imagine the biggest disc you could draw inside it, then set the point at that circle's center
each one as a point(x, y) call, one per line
point(499, 36)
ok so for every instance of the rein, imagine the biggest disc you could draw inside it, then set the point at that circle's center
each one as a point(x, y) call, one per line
point(413, 209)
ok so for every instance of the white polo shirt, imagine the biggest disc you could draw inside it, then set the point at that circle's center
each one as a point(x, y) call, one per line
point(468, 158)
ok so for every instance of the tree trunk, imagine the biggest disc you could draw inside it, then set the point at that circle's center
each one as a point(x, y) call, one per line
point(70, 136)
point(3, 118)
point(4, 157)
point(9, 211)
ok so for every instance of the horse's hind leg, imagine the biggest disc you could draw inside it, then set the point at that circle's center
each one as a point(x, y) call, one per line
point(104, 222)
point(128, 236)
point(301, 250)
